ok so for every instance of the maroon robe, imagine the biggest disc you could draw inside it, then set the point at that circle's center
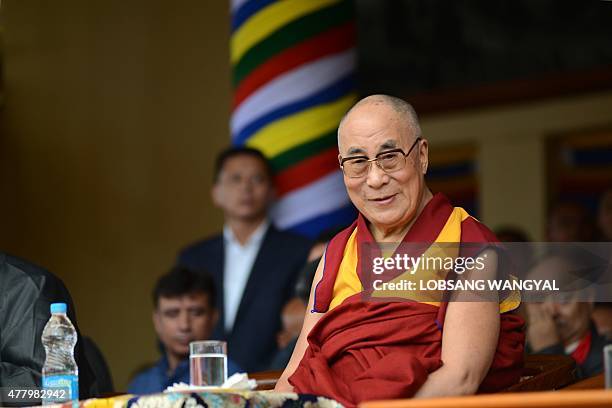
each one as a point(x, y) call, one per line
point(363, 350)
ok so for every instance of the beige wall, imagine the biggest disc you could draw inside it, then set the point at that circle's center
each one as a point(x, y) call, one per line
point(512, 157)
point(114, 111)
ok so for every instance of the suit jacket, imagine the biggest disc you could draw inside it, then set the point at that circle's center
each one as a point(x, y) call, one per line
point(252, 340)
point(26, 292)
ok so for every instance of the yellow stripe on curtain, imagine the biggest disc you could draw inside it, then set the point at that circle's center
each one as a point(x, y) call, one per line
point(302, 127)
point(269, 20)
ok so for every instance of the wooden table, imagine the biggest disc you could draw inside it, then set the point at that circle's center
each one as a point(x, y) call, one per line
point(544, 372)
point(588, 393)
point(266, 380)
point(547, 399)
point(597, 382)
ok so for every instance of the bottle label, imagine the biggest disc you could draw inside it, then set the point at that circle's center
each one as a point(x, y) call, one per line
point(60, 388)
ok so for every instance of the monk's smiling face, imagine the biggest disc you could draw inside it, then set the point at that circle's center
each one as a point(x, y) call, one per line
point(390, 201)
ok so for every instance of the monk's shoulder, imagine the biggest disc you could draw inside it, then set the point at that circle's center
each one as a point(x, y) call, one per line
point(473, 230)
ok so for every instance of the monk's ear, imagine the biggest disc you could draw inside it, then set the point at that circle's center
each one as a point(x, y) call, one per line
point(424, 155)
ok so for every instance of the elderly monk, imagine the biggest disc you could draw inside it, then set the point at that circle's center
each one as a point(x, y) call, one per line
point(354, 349)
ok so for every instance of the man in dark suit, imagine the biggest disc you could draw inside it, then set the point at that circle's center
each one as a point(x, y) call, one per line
point(26, 293)
point(254, 265)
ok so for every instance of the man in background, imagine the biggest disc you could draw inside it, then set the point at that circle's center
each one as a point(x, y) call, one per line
point(253, 264)
point(184, 311)
point(26, 293)
point(563, 325)
point(567, 328)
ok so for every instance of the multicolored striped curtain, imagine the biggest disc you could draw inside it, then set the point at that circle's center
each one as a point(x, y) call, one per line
point(293, 66)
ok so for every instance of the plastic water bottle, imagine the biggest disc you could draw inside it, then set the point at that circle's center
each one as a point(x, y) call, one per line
point(60, 374)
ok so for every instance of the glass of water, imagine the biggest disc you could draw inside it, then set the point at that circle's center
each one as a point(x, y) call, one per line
point(207, 363)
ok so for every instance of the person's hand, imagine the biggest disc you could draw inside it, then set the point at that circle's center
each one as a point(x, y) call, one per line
point(541, 329)
point(282, 385)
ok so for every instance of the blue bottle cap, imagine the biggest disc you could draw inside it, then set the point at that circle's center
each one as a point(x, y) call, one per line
point(58, 308)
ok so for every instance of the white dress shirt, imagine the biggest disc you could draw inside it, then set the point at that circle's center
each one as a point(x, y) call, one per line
point(238, 263)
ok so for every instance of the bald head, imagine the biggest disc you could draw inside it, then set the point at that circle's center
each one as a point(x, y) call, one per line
point(396, 108)
point(389, 194)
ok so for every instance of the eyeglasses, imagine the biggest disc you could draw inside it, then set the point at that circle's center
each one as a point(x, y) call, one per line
point(388, 161)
